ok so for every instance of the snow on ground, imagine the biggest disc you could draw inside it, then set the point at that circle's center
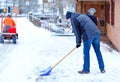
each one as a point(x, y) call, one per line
point(37, 49)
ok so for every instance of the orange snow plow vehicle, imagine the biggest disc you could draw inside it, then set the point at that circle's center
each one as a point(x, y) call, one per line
point(8, 32)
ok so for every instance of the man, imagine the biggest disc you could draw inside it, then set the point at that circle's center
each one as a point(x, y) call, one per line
point(8, 23)
point(85, 28)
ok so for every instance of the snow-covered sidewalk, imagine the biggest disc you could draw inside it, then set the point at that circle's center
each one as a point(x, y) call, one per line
point(37, 49)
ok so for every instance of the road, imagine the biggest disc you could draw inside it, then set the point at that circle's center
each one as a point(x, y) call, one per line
point(18, 60)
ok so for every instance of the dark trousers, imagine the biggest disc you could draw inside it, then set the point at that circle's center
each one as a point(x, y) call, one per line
point(5, 30)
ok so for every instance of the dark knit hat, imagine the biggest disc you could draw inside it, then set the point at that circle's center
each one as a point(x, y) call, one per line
point(9, 15)
point(68, 14)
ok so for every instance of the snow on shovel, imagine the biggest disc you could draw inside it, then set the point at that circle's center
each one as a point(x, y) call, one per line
point(49, 69)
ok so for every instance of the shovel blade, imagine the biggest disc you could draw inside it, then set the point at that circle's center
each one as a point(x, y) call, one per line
point(46, 71)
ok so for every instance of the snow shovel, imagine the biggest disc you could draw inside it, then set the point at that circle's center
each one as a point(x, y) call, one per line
point(49, 69)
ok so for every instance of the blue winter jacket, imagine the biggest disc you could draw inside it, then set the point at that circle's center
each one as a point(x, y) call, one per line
point(83, 26)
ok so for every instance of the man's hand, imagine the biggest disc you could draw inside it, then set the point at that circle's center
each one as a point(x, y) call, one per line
point(78, 45)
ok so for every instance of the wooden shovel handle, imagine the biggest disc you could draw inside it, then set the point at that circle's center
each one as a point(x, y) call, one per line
point(64, 57)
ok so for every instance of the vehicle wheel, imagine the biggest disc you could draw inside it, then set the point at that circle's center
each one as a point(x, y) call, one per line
point(14, 39)
point(17, 35)
point(2, 39)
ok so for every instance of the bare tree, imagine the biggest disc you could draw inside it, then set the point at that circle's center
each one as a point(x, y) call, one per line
point(60, 7)
point(70, 4)
point(70, 1)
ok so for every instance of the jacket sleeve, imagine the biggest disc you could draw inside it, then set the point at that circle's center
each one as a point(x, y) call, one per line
point(13, 23)
point(77, 30)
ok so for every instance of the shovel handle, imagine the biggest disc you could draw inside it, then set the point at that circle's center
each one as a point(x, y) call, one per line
point(64, 57)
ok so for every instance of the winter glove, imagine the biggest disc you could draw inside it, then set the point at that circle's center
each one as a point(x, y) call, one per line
point(78, 45)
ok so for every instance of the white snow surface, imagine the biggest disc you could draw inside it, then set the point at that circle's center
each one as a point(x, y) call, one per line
point(37, 49)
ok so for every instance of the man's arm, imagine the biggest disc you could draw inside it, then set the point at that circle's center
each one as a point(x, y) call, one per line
point(77, 30)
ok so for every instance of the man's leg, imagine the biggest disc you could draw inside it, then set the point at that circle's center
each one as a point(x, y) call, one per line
point(6, 28)
point(96, 46)
point(86, 49)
